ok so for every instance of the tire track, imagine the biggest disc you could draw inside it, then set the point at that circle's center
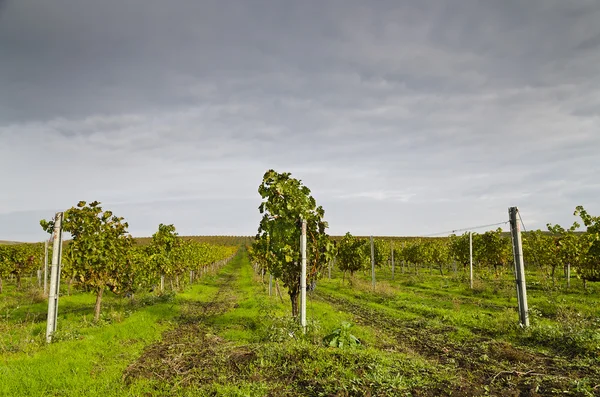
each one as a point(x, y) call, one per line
point(485, 366)
point(188, 351)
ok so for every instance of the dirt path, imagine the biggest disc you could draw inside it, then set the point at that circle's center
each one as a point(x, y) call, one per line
point(187, 354)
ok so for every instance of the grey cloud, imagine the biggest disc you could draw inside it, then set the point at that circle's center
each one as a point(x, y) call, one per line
point(410, 116)
point(130, 56)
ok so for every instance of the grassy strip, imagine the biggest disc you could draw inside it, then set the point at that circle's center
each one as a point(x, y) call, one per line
point(86, 359)
point(226, 336)
point(251, 346)
point(453, 332)
point(562, 323)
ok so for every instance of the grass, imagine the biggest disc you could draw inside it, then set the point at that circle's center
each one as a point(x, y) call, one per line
point(86, 358)
point(421, 335)
point(90, 363)
point(244, 343)
point(489, 309)
point(562, 346)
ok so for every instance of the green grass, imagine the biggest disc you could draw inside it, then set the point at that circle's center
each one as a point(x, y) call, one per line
point(90, 364)
point(423, 335)
point(563, 341)
point(86, 358)
point(489, 309)
point(248, 345)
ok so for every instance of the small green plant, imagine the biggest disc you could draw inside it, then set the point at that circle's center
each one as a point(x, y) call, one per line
point(151, 299)
point(341, 337)
point(277, 328)
point(66, 335)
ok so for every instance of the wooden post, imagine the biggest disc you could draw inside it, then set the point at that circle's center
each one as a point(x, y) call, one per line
point(54, 278)
point(519, 267)
point(568, 275)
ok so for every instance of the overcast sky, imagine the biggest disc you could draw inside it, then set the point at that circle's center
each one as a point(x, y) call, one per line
point(402, 117)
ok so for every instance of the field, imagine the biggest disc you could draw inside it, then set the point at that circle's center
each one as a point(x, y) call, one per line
point(421, 334)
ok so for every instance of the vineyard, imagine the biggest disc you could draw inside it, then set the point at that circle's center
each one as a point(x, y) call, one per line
point(296, 312)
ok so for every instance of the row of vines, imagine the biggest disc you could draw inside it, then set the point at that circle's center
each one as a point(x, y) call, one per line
point(286, 202)
point(544, 251)
point(101, 255)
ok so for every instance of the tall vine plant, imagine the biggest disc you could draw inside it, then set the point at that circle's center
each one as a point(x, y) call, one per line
point(285, 203)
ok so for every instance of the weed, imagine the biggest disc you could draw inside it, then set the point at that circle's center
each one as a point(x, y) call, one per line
point(35, 295)
point(341, 337)
point(66, 335)
point(280, 328)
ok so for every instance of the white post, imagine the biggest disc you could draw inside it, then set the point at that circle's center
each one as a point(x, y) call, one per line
point(45, 267)
point(270, 284)
point(54, 278)
point(568, 275)
point(303, 278)
point(471, 259)
point(393, 267)
point(59, 268)
point(162, 282)
point(372, 264)
point(519, 267)
point(403, 261)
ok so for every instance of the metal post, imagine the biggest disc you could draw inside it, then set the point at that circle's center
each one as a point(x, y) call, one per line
point(59, 270)
point(54, 278)
point(471, 259)
point(45, 267)
point(372, 264)
point(303, 278)
point(519, 267)
point(393, 267)
point(403, 261)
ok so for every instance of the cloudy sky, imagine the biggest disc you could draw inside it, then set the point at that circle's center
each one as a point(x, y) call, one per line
point(403, 117)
